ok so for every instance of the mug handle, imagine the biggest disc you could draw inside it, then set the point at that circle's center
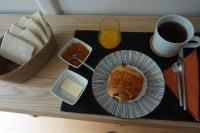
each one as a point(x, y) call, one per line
point(193, 45)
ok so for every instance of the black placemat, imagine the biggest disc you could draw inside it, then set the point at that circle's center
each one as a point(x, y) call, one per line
point(168, 109)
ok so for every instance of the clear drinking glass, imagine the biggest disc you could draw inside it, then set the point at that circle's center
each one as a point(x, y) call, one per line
point(109, 33)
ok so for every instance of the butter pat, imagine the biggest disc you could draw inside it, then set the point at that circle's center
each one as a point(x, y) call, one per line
point(71, 87)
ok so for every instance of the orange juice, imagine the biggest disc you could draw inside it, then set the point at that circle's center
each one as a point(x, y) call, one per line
point(109, 38)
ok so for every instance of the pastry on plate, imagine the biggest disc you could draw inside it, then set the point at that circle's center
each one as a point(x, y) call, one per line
point(125, 83)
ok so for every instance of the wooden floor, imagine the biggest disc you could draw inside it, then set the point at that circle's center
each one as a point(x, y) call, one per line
point(21, 123)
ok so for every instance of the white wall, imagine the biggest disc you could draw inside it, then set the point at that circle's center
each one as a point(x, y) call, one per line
point(131, 7)
point(18, 6)
point(124, 7)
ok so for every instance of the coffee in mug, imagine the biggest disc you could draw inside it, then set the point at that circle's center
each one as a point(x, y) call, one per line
point(171, 33)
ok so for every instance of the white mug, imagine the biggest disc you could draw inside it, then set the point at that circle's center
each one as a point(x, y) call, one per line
point(166, 48)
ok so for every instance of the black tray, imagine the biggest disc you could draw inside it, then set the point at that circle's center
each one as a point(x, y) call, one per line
point(168, 109)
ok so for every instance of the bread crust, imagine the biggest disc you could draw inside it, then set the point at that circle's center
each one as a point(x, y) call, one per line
point(124, 83)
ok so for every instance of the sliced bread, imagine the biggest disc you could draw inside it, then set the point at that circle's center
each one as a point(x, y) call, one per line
point(39, 18)
point(16, 49)
point(15, 29)
point(23, 20)
point(37, 29)
point(32, 39)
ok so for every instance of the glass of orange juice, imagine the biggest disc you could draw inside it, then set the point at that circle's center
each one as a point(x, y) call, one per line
point(109, 34)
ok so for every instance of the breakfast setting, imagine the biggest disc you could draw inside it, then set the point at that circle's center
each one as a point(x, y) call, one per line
point(107, 71)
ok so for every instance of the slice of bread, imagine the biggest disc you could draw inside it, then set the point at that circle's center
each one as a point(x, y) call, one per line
point(37, 29)
point(16, 49)
point(39, 18)
point(23, 20)
point(15, 29)
point(32, 39)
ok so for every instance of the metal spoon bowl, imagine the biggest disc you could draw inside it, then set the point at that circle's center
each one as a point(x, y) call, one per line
point(177, 69)
point(74, 56)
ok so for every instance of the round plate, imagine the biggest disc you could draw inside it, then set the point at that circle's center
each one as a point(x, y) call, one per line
point(147, 103)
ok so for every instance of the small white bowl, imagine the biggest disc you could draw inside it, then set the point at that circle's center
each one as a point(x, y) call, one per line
point(63, 95)
point(68, 44)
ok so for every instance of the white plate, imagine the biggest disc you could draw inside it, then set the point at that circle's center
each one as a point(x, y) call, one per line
point(63, 95)
point(129, 109)
point(68, 44)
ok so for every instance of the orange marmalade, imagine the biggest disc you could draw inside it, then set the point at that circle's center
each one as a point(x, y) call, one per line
point(77, 48)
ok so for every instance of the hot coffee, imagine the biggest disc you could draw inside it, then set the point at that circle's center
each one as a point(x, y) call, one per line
point(172, 32)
